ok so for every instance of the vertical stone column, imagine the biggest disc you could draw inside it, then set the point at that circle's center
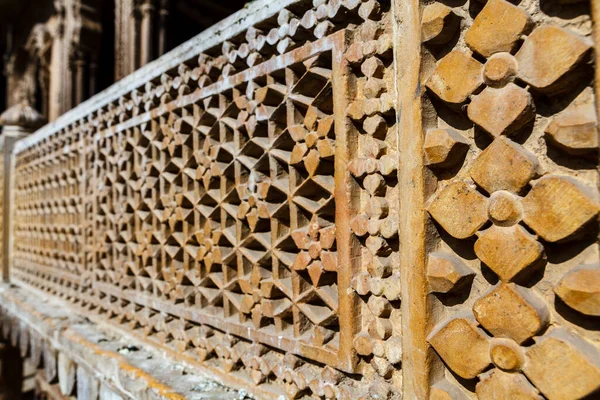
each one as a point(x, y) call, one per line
point(79, 69)
point(163, 14)
point(93, 76)
point(134, 40)
point(147, 32)
point(18, 121)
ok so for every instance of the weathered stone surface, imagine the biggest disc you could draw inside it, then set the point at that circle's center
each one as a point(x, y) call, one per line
point(446, 273)
point(580, 289)
point(87, 386)
point(363, 345)
point(508, 251)
point(444, 147)
point(504, 165)
point(496, 384)
point(510, 311)
point(563, 366)
point(549, 54)
point(22, 114)
point(558, 206)
point(463, 346)
point(261, 209)
point(439, 23)
point(460, 209)
point(66, 374)
point(452, 87)
point(575, 130)
point(502, 111)
point(498, 27)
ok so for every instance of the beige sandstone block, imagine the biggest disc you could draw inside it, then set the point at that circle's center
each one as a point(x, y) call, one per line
point(446, 273)
point(504, 165)
point(575, 130)
point(497, 385)
point(510, 311)
point(460, 209)
point(558, 206)
point(508, 251)
point(502, 111)
point(580, 289)
point(456, 77)
point(563, 366)
point(438, 24)
point(548, 54)
point(463, 346)
point(444, 147)
point(498, 27)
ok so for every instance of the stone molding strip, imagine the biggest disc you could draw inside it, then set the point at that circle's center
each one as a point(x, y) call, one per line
point(93, 360)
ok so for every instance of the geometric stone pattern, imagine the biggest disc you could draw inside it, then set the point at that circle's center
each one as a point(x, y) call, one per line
point(244, 210)
point(209, 210)
point(511, 204)
point(48, 220)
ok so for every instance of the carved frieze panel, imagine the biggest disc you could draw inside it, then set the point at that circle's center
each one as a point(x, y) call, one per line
point(48, 212)
point(241, 210)
point(513, 150)
point(346, 199)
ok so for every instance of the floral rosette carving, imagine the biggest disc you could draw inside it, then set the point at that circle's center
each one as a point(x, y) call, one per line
point(542, 63)
point(511, 205)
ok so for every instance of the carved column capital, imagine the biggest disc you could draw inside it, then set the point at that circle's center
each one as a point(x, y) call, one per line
point(22, 115)
point(163, 8)
point(146, 7)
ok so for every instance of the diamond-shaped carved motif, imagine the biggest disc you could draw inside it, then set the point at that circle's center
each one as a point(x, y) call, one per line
point(548, 54)
point(497, 384)
point(501, 111)
point(563, 366)
point(580, 289)
point(463, 346)
point(508, 251)
point(460, 209)
point(558, 206)
point(498, 27)
point(452, 87)
point(509, 311)
point(504, 165)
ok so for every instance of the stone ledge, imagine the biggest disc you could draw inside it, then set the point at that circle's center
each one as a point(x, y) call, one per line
point(89, 359)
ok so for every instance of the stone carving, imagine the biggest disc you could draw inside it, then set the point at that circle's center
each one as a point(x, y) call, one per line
point(209, 211)
point(251, 210)
point(511, 206)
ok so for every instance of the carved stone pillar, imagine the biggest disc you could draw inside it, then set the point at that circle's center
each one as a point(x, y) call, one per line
point(134, 40)
point(147, 32)
point(18, 121)
point(93, 76)
point(79, 69)
point(163, 14)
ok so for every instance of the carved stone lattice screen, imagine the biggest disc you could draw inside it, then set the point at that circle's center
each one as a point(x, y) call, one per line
point(339, 199)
